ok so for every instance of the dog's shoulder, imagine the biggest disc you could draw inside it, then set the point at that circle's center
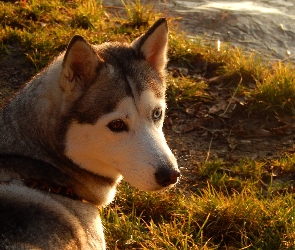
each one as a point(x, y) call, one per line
point(38, 219)
point(31, 219)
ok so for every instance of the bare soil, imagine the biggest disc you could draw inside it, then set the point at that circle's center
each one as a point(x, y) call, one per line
point(219, 126)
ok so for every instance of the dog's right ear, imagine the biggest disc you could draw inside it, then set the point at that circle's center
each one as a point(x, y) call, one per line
point(80, 65)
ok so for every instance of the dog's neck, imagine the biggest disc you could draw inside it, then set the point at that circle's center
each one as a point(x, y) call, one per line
point(43, 185)
point(29, 123)
point(83, 185)
point(51, 187)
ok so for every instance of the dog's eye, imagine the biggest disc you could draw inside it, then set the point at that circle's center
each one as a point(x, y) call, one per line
point(157, 114)
point(117, 126)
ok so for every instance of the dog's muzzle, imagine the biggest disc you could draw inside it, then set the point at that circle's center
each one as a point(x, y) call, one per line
point(166, 176)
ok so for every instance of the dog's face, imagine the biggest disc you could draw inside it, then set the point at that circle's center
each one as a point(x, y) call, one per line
point(115, 95)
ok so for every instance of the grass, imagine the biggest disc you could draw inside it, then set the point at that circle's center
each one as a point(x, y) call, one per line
point(216, 217)
point(26, 29)
point(138, 14)
point(276, 89)
point(182, 90)
point(237, 206)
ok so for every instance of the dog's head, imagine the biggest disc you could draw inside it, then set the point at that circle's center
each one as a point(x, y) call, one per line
point(115, 97)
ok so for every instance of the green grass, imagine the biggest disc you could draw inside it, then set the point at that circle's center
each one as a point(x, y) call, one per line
point(184, 90)
point(238, 206)
point(276, 89)
point(138, 14)
point(26, 29)
point(252, 218)
point(274, 81)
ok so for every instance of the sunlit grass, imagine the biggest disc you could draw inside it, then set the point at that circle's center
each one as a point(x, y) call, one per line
point(208, 220)
point(276, 90)
point(182, 90)
point(274, 93)
point(233, 210)
point(27, 28)
point(138, 14)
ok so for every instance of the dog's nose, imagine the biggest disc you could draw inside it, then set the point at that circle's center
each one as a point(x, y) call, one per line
point(166, 176)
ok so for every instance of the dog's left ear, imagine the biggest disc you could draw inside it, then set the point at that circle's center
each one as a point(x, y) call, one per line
point(153, 44)
point(80, 65)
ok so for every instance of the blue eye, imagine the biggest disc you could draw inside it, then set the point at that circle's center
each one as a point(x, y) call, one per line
point(157, 114)
point(118, 126)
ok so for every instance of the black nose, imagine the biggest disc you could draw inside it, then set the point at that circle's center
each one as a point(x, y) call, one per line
point(166, 176)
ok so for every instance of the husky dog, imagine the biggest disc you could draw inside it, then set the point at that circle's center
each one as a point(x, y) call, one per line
point(68, 137)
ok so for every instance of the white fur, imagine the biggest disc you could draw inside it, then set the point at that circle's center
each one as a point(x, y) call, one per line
point(135, 154)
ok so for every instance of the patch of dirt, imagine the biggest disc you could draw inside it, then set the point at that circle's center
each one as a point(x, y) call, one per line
point(216, 127)
point(220, 126)
point(193, 149)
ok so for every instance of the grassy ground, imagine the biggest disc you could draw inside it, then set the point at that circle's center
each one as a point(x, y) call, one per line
point(240, 205)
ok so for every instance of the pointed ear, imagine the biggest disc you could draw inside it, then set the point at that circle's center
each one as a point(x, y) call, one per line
point(80, 65)
point(153, 44)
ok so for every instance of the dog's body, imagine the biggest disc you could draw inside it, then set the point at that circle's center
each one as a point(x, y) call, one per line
point(67, 138)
